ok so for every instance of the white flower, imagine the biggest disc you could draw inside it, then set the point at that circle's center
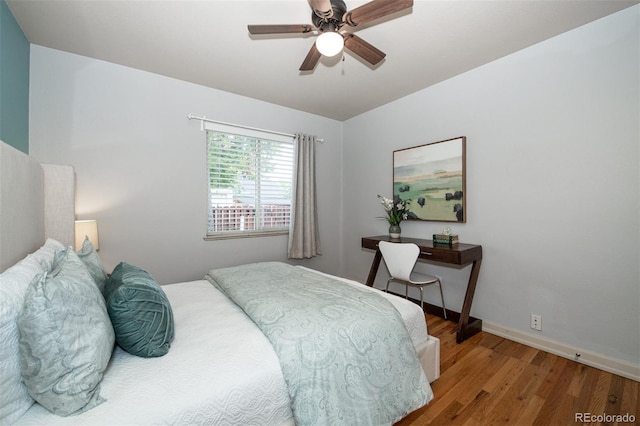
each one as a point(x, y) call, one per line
point(386, 203)
point(396, 212)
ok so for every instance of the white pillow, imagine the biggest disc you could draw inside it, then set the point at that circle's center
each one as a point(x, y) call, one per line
point(91, 260)
point(14, 282)
point(66, 337)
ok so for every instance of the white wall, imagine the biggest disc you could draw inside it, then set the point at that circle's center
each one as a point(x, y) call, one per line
point(552, 184)
point(141, 165)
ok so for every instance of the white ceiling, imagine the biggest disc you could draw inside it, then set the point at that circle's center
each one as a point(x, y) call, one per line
point(206, 42)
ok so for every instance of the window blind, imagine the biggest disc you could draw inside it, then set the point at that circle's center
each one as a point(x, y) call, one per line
point(250, 182)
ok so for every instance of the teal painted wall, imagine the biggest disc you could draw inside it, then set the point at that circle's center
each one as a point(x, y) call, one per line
point(14, 82)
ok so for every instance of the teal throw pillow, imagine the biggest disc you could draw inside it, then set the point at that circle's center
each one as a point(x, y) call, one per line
point(66, 338)
point(140, 312)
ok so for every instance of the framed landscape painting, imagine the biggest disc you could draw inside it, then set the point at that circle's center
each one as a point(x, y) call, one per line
point(431, 180)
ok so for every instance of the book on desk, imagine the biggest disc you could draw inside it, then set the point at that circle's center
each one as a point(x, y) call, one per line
point(444, 239)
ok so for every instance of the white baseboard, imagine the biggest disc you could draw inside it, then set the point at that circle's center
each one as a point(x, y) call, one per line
point(612, 365)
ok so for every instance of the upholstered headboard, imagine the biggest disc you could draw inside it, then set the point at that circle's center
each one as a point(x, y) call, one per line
point(37, 201)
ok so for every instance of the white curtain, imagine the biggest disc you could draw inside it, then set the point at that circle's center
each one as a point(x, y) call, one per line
point(304, 237)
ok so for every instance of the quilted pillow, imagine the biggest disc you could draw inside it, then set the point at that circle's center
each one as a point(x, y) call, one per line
point(66, 339)
point(140, 312)
point(14, 397)
point(91, 260)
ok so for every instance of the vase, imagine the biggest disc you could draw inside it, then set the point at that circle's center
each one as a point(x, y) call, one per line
point(394, 231)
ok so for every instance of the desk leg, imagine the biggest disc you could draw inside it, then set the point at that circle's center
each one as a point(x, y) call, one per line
point(466, 329)
point(374, 268)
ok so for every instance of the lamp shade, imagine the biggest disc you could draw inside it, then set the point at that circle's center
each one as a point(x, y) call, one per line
point(330, 43)
point(87, 228)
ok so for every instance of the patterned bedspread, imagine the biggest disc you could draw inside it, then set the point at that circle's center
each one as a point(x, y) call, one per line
point(344, 352)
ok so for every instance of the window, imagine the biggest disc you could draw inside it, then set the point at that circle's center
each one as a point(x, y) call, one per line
point(250, 182)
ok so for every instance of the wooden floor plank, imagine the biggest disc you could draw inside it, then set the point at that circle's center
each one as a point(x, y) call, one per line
point(550, 411)
point(583, 400)
point(630, 399)
point(578, 381)
point(552, 375)
point(518, 396)
point(455, 383)
point(499, 386)
point(465, 391)
point(489, 380)
point(530, 411)
point(462, 416)
point(615, 395)
point(600, 393)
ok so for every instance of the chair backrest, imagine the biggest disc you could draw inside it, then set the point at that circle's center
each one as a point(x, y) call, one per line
point(400, 258)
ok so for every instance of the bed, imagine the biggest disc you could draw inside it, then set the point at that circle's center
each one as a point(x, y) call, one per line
point(221, 367)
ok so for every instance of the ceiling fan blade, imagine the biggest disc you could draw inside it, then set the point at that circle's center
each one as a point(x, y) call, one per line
point(322, 8)
point(363, 49)
point(311, 60)
point(374, 10)
point(280, 29)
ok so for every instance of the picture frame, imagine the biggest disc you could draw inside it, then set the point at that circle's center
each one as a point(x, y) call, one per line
point(431, 180)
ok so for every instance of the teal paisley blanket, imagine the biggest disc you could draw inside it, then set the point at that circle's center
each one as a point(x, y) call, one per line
point(345, 353)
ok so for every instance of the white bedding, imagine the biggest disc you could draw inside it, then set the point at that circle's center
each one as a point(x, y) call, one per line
point(220, 370)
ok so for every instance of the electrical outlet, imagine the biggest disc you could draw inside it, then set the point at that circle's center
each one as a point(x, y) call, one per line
point(536, 322)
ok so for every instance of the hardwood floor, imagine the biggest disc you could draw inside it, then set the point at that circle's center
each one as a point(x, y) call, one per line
point(488, 380)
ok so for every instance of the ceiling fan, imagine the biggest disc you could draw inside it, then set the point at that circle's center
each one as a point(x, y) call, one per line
point(329, 17)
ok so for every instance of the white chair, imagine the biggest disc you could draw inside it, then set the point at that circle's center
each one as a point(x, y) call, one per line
point(400, 259)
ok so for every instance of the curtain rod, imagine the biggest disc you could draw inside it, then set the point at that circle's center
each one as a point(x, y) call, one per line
point(203, 119)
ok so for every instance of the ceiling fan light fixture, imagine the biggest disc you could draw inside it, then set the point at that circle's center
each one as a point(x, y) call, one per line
point(330, 43)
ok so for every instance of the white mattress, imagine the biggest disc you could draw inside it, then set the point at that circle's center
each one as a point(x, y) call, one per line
point(220, 370)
